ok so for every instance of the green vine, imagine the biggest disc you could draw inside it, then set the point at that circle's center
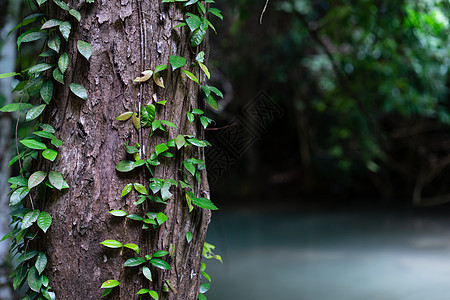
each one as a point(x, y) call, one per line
point(28, 190)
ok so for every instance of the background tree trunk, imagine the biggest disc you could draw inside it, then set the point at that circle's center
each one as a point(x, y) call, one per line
point(127, 37)
point(7, 64)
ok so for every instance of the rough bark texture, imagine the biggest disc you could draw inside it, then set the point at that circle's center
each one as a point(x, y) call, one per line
point(127, 37)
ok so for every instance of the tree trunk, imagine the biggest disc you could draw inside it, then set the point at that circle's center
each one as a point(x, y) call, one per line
point(127, 37)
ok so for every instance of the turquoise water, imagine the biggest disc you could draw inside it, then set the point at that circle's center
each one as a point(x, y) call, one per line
point(339, 256)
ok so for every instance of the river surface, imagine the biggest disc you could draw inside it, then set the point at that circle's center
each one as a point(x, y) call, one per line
point(330, 256)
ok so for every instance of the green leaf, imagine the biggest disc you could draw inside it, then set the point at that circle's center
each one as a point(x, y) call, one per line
point(201, 297)
point(46, 91)
point(204, 288)
point(33, 144)
point(134, 261)
point(36, 178)
point(140, 188)
point(212, 102)
point(85, 49)
point(142, 291)
point(189, 236)
point(161, 218)
point(147, 273)
point(190, 167)
point(18, 195)
point(159, 263)
point(30, 36)
point(191, 76)
point(58, 76)
point(197, 111)
point(65, 28)
point(27, 255)
point(54, 43)
point(160, 253)
point(135, 217)
point(216, 91)
point(20, 276)
point(200, 57)
point(205, 121)
point(51, 23)
point(205, 69)
point(29, 219)
point(44, 134)
point(154, 295)
point(160, 148)
point(34, 112)
point(118, 213)
point(76, 14)
point(62, 4)
point(168, 123)
point(179, 25)
point(34, 280)
point(125, 116)
point(106, 292)
point(125, 166)
point(180, 141)
point(49, 154)
point(204, 203)
point(132, 247)
point(193, 21)
point(63, 62)
point(48, 53)
point(190, 116)
point(110, 284)
point(12, 107)
point(39, 68)
point(126, 189)
point(57, 143)
point(216, 12)
point(41, 262)
point(44, 221)
point(56, 179)
point(160, 68)
point(197, 37)
point(78, 90)
point(177, 61)
point(111, 244)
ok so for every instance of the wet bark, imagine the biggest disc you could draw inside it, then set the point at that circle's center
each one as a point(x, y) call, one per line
point(127, 37)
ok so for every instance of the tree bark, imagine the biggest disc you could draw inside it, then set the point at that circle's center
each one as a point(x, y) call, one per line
point(127, 37)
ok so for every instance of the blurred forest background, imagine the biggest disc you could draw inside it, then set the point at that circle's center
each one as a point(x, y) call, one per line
point(364, 87)
point(329, 105)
